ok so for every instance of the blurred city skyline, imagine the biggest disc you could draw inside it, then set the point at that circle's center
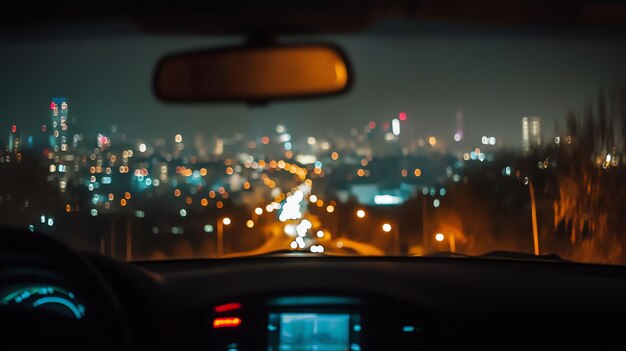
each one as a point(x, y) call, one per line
point(495, 80)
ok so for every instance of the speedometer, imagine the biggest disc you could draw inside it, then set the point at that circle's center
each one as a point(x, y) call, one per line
point(49, 297)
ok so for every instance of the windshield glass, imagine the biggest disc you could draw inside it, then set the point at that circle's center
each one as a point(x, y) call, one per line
point(453, 138)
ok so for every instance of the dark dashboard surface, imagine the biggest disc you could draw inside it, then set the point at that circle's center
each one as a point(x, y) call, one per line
point(443, 303)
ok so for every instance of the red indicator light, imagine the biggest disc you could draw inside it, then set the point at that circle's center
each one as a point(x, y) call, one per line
point(14, 128)
point(228, 307)
point(402, 116)
point(226, 322)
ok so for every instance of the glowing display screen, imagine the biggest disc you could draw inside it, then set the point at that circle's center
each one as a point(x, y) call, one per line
point(51, 298)
point(313, 331)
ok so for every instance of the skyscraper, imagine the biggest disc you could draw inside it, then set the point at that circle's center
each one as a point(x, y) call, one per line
point(531, 133)
point(58, 113)
point(458, 134)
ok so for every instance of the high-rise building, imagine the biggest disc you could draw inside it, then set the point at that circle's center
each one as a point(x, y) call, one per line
point(58, 113)
point(531, 133)
point(458, 134)
point(218, 146)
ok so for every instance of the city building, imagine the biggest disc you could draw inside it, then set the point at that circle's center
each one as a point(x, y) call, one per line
point(531, 133)
point(458, 134)
point(58, 114)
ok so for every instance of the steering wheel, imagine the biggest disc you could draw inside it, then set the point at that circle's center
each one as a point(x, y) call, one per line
point(35, 260)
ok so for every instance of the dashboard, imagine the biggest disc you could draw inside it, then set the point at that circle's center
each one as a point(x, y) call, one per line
point(305, 322)
point(310, 302)
point(359, 303)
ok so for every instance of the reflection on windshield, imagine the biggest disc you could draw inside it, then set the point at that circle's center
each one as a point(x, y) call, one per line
point(372, 191)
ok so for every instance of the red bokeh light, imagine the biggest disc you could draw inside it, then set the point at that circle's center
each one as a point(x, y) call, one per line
point(228, 307)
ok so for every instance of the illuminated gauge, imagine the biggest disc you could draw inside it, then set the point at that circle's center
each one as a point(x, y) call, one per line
point(50, 298)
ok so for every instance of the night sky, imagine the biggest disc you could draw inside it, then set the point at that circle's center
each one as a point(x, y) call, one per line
point(429, 71)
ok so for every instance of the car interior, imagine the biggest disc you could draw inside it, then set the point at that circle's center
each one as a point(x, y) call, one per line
point(290, 300)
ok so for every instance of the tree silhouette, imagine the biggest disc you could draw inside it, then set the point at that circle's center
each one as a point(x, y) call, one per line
point(588, 182)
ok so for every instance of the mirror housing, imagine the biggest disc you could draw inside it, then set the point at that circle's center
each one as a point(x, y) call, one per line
point(254, 74)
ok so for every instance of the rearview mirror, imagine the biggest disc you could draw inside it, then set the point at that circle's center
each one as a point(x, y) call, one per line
point(253, 74)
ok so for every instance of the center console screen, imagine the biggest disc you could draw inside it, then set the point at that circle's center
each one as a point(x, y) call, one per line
point(313, 332)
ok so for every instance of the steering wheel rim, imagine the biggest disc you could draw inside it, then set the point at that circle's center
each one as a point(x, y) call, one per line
point(26, 255)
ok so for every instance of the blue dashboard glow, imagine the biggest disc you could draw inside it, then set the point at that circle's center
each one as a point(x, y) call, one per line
point(75, 309)
point(51, 298)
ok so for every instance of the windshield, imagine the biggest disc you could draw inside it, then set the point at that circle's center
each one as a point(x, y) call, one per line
point(453, 139)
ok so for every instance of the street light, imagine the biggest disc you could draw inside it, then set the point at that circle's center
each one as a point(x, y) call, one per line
point(440, 237)
point(220, 235)
point(360, 213)
point(257, 212)
point(533, 214)
point(387, 228)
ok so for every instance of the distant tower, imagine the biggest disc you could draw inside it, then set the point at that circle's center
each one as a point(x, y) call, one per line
point(458, 134)
point(58, 113)
point(218, 146)
point(531, 133)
